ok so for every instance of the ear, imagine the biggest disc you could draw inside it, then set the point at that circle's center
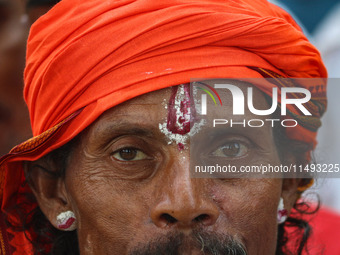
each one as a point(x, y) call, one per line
point(291, 187)
point(290, 192)
point(48, 187)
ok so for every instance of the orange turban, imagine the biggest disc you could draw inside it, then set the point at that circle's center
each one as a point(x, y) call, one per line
point(86, 56)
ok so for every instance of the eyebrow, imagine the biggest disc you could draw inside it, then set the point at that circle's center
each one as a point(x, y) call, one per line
point(238, 130)
point(254, 135)
point(122, 127)
point(127, 127)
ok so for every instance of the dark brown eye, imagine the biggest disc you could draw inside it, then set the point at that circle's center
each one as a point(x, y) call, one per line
point(129, 154)
point(231, 150)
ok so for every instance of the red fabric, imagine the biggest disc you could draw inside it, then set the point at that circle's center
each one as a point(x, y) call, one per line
point(5, 248)
point(87, 56)
point(146, 45)
point(325, 234)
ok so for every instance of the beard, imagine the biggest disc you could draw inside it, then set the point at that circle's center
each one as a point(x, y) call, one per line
point(197, 243)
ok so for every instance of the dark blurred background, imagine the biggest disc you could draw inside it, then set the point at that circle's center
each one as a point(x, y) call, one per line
point(16, 16)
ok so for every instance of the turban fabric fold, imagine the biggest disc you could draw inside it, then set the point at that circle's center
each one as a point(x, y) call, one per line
point(87, 56)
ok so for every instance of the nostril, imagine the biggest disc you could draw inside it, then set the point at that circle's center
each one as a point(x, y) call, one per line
point(201, 218)
point(168, 218)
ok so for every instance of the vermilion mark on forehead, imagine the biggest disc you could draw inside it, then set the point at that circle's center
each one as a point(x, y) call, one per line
point(180, 111)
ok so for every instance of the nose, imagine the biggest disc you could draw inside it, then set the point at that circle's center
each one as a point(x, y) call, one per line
point(184, 202)
point(184, 215)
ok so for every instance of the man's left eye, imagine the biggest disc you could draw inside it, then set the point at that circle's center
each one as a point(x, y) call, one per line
point(129, 154)
point(231, 150)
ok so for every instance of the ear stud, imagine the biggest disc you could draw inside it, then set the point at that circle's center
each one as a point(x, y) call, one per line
point(282, 213)
point(66, 221)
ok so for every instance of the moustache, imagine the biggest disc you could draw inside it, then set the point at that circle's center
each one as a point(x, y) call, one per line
point(204, 243)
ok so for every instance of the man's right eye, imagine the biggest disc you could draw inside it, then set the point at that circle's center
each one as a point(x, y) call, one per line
point(129, 154)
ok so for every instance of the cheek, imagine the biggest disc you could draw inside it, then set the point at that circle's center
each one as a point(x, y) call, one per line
point(106, 208)
point(249, 210)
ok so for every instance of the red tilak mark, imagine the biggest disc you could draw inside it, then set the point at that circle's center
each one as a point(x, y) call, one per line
point(180, 123)
point(67, 224)
point(180, 146)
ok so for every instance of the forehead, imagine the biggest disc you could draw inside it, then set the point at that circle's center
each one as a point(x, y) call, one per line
point(161, 97)
point(149, 110)
point(259, 99)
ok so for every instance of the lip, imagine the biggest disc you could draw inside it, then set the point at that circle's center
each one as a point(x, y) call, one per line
point(191, 252)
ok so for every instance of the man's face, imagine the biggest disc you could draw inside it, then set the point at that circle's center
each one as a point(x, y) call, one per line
point(129, 186)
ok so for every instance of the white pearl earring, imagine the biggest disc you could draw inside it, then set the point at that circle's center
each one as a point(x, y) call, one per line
point(66, 221)
point(282, 213)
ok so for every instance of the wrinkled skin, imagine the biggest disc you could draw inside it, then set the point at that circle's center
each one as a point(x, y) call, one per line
point(14, 120)
point(124, 198)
